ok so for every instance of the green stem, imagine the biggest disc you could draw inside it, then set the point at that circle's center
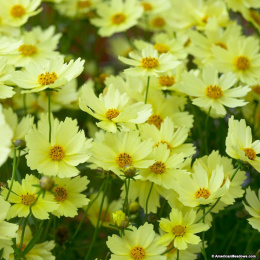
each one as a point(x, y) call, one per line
point(99, 215)
point(126, 204)
point(203, 237)
point(49, 114)
point(23, 231)
point(147, 90)
point(86, 211)
point(147, 201)
point(206, 132)
point(213, 206)
point(13, 175)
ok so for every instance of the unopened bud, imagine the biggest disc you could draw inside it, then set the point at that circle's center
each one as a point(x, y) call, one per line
point(20, 144)
point(129, 171)
point(134, 207)
point(120, 219)
point(46, 183)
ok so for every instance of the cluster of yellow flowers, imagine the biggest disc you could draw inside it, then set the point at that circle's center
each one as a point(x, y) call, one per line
point(181, 64)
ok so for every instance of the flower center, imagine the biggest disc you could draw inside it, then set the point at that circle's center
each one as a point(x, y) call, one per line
point(118, 18)
point(214, 92)
point(161, 48)
point(256, 89)
point(149, 63)
point(158, 167)
point(27, 49)
point(202, 192)
point(60, 193)
point(123, 159)
point(84, 4)
point(56, 153)
point(205, 18)
point(242, 62)
point(47, 78)
point(256, 16)
point(158, 22)
point(28, 199)
point(147, 7)
point(166, 81)
point(112, 113)
point(155, 120)
point(137, 253)
point(179, 230)
point(222, 45)
point(163, 142)
point(250, 153)
point(17, 11)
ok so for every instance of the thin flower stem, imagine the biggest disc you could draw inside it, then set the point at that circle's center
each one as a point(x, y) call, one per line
point(147, 201)
point(99, 215)
point(86, 211)
point(203, 237)
point(206, 132)
point(213, 206)
point(126, 204)
point(13, 175)
point(147, 90)
point(49, 113)
point(23, 231)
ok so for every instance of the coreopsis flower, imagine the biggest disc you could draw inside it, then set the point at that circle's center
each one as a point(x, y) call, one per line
point(68, 148)
point(9, 46)
point(17, 12)
point(51, 74)
point(149, 62)
point(241, 57)
point(39, 251)
point(37, 46)
point(180, 229)
point(140, 243)
point(67, 193)
point(109, 208)
point(253, 208)
point(239, 144)
point(5, 138)
point(235, 188)
point(213, 92)
point(155, 6)
point(165, 168)
point(117, 16)
point(214, 35)
point(7, 230)
point(121, 149)
point(168, 134)
point(120, 219)
point(200, 189)
point(20, 129)
point(5, 91)
point(113, 109)
point(25, 198)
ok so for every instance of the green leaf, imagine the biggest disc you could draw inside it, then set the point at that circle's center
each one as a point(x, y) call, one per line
point(32, 243)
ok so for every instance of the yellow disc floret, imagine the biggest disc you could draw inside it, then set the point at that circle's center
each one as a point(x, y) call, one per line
point(147, 7)
point(161, 48)
point(242, 62)
point(112, 113)
point(137, 253)
point(149, 63)
point(166, 81)
point(47, 78)
point(17, 11)
point(84, 4)
point(256, 89)
point(60, 193)
point(155, 120)
point(28, 199)
point(158, 22)
point(202, 192)
point(250, 153)
point(214, 92)
point(57, 153)
point(163, 142)
point(118, 18)
point(158, 167)
point(179, 230)
point(27, 49)
point(124, 159)
point(222, 45)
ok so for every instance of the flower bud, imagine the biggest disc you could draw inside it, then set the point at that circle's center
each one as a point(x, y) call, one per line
point(20, 144)
point(120, 219)
point(46, 183)
point(129, 171)
point(134, 207)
